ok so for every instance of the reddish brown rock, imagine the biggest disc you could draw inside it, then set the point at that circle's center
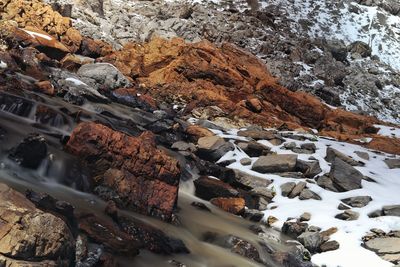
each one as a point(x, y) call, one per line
point(144, 177)
point(197, 132)
point(231, 205)
point(45, 87)
point(94, 48)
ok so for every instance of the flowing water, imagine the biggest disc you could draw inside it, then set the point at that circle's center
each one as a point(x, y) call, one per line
point(60, 175)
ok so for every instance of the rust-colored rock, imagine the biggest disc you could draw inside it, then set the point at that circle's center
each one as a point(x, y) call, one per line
point(197, 132)
point(94, 48)
point(231, 205)
point(45, 87)
point(144, 177)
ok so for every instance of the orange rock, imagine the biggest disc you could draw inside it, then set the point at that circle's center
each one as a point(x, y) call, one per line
point(45, 87)
point(73, 62)
point(197, 131)
point(231, 205)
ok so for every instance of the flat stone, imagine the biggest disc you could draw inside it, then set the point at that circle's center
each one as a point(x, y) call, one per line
point(286, 188)
point(393, 163)
point(344, 176)
point(297, 189)
point(363, 155)
point(275, 163)
point(263, 192)
point(329, 246)
point(348, 215)
point(245, 161)
point(258, 134)
point(393, 210)
point(383, 245)
point(254, 149)
point(357, 202)
point(250, 181)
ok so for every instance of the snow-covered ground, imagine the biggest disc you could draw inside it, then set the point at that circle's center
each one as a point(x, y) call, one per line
point(383, 192)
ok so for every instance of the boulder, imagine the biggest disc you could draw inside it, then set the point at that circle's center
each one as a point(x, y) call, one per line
point(344, 176)
point(294, 229)
point(329, 246)
point(212, 148)
point(29, 236)
point(297, 189)
point(357, 202)
point(275, 163)
point(348, 215)
point(309, 168)
point(231, 205)
point(286, 188)
point(393, 210)
point(249, 182)
point(254, 149)
point(393, 163)
point(30, 152)
point(332, 154)
point(311, 241)
point(308, 194)
point(208, 188)
point(141, 177)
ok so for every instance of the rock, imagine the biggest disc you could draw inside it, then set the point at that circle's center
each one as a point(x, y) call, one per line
point(311, 241)
point(329, 232)
point(306, 216)
point(309, 146)
point(249, 182)
point(393, 210)
point(275, 163)
point(242, 247)
point(254, 149)
point(384, 245)
point(308, 194)
point(103, 76)
point(183, 146)
point(329, 246)
point(258, 134)
point(200, 206)
point(245, 161)
point(290, 145)
point(326, 182)
point(344, 176)
point(393, 163)
point(294, 229)
point(360, 48)
point(343, 207)
point(144, 177)
point(348, 215)
point(208, 188)
point(332, 154)
point(286, 188)
point(231, 205)
point(30, 236)
point(309, 168)
point(357, 202)
point(30, 152)
point(212, 148)
point(104, 232)
point(254, 105)
point(197, 132)
point(363, 155)
point(253, 215)
point(297, 189)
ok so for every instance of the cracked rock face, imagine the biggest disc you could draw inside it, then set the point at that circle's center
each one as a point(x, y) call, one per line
point(30, 236)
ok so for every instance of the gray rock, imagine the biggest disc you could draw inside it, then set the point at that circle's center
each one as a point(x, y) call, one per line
point(103, 76)
point(332, 154)
point(348, 215)
point(302, 151)
point(275, 163)
point(393, 163)
point(329, 246)
point(311, 241)
point(344, 176)
point(263, 192)
point(297, 189)
point(289, 145)
point(393, 210)
point(357, 202)
point(308, 194)
point(183, 146)
point(326, 182)
point(363, 155)
point(294, 229)
point(286, 188)
point(250, 181)
point(254, 149)
point(309, 168)
point(384, 245)
point(306, 216)
point(343, 207)
point(309, 146)
point(245, 161)
point(253, 215)
point(212, 148)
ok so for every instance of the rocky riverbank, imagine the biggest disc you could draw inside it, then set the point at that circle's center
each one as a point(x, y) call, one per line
point(127, 147)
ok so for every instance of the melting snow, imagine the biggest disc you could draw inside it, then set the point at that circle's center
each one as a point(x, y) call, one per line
point(3, 65)
point(36, 34)
point(76, 81)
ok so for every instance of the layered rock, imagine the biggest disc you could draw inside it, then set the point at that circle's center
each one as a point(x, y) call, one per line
point(143, 177)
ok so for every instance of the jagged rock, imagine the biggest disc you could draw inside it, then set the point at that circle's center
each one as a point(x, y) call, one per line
point(308, 168)
point(311, 241)
point(132, 167)
point(308, 194)
point(208, 188)
point(327, 183)
point(329, 246)
point(297, 189)
point(30, 152)
point(213, 147)
point(332, 154)
point(393, 163)
point(275, 163)
point(357, 202)
point(348, 215)
point(286, 188)
point(30, 236)
point(294, 229)
point(231, 205)
point(344, 176)
point(103, 76)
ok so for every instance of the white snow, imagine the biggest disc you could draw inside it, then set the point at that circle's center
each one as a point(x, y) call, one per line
point(76, 81)
point(3, 65)
point(36, 34)
point(383, 192)
point(388, 131)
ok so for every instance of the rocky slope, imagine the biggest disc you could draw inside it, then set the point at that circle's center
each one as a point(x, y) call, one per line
point(131, 117)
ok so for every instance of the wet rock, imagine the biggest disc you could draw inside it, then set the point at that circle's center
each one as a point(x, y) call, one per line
point(212, 148)
point(297, 189)
point(344, 176)
point(107, 233)
point(30, 152)
point(103, 76)
point(25, 229)
point(393, 210)
point(329, 246)
point(275, 163)
point(332, 154)
point(357, 202)
point(143, 177)
point(200, 206)
point(294, 229)
point(242, 247)
point(253, 215)
point(348, 215)
point(308, 194)
point(286, 188)
point(393, 163)
point(208, 188)
point(232, 205)
point(311, 241)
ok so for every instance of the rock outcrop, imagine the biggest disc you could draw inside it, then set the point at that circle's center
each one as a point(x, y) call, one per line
point(143, 177)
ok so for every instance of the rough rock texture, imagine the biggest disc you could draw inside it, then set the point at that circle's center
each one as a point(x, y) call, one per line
point(144, 178)
point(231, 205)
point(29, 236)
